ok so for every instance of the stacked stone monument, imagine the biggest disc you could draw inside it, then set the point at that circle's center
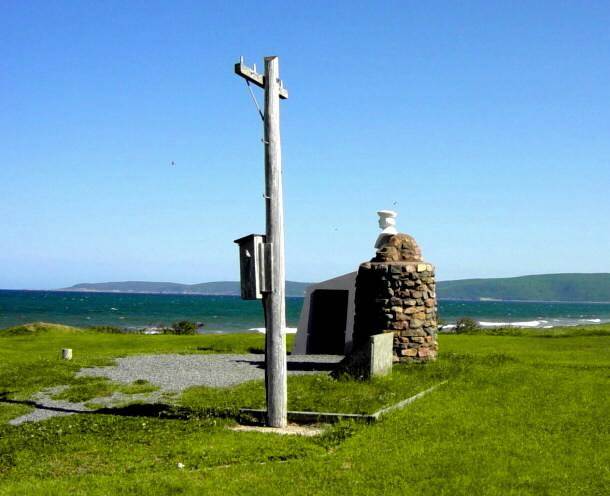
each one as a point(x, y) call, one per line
point(396, 292)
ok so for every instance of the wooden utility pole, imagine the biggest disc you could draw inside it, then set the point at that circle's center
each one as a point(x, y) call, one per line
point(274, 302)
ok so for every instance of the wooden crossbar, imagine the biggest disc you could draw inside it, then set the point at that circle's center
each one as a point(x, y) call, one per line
point(249, 74)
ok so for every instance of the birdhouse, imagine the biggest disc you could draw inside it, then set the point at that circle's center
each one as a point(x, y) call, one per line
point(254, 264)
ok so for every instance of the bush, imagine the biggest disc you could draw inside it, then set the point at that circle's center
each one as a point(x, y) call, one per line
point(183, 327)
point(108, 329)
point(466, 324)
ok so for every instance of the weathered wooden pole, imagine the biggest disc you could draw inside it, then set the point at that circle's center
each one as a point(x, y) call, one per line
point(273, 288)
point(274, 301)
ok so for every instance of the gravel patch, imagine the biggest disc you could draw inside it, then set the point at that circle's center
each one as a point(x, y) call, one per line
point(177, 372)
point(172, 374)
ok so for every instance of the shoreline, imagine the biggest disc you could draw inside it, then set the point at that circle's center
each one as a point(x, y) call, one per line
point(467, 300)
point(540, 324)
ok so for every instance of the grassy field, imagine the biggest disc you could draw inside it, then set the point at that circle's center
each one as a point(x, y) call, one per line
point(525, 413)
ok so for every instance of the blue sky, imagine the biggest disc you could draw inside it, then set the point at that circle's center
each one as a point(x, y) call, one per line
point(488, 123)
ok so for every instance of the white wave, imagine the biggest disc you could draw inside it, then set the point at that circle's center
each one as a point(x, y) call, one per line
point(448, 326)
point(529, 323)
point(262, 330)
point(533, 323)
point(493, 324)
point(595, 321)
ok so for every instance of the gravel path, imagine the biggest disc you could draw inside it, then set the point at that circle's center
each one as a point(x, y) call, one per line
point(178, 372)
point(172, 374)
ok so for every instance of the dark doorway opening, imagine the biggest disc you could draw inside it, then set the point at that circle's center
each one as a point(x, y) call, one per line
point(327, 321)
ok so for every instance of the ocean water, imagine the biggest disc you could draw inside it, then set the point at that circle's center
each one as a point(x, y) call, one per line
point(230, 313)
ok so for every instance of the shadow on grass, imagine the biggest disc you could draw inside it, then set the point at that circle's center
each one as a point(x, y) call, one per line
point(296, 366)
point(256, 350)
point(155, 410)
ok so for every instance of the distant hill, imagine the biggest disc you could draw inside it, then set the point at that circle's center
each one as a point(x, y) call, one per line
point(547, 287)
point(228, 288)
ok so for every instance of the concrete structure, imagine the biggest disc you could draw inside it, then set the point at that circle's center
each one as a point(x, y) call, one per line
point(327, 318)
point(381, 354)
point(374, 358)
point(394, 293)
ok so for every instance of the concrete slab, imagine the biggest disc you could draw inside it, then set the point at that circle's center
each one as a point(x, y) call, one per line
point(290, 430)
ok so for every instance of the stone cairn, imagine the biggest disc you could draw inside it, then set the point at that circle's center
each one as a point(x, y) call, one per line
point(396, 292)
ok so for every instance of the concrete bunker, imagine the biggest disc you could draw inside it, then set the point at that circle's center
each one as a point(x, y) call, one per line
point(327, 319)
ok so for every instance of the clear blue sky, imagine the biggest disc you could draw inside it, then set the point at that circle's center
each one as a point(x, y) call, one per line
point(487, 122)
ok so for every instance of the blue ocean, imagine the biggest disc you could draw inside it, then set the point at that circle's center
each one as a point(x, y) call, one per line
point(232, 314)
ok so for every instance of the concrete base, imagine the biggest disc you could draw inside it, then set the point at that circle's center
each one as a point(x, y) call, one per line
point(374, 358)
point(382, 354)
point(255, 416)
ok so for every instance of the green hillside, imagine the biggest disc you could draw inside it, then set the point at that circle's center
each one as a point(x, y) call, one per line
point(547, 287)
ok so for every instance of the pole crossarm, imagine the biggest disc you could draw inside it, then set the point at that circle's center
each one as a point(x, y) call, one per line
point(250, 74)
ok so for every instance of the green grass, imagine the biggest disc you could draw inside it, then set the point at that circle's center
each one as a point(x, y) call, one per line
point(321, 393)
point(555, 332)
point(521, 414)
